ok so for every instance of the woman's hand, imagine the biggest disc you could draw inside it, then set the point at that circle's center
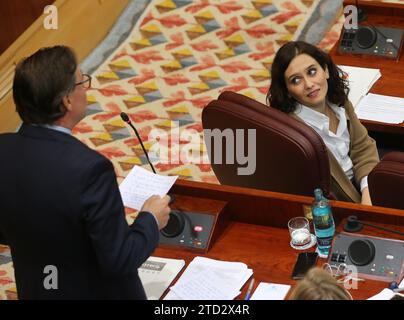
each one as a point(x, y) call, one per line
point(366, 197)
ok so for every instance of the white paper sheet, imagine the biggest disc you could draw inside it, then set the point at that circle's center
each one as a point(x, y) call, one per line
point(270, 291)
point(140, 184)
point(233, 276)
point(205, 285)
point(385, 294)
point(381, 108)
point(360, 81)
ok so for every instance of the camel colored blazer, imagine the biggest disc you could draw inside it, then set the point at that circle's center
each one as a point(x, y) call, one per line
point(363, 153)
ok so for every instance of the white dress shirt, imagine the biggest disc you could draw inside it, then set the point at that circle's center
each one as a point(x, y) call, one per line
point(337, 143)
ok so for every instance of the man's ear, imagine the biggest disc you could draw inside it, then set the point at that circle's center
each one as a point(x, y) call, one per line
point(67, 103)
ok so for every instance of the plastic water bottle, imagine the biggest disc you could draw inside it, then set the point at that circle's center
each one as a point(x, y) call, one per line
point(323, 222)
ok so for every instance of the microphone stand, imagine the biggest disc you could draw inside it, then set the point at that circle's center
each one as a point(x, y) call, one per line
point(126, 119)
point(361, 13)
point(355, 225)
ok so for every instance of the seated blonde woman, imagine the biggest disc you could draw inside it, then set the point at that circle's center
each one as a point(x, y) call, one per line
point(318, 284)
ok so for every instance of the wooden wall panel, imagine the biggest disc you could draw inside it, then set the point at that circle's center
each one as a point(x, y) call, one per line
point(82, 25)
point(16, 16)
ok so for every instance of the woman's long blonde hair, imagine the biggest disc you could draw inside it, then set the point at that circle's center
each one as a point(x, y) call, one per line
point(318, 284)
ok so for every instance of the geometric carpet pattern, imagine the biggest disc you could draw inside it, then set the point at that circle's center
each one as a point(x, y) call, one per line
point(179, 56)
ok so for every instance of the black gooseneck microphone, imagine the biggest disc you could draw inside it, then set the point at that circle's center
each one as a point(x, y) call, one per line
point(355, 225)
point(176, 223)
point(125, 118)
point(361, 13)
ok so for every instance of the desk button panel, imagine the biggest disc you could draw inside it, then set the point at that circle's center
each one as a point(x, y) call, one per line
point(342, 258)
point(385, 41)
point(386, 263)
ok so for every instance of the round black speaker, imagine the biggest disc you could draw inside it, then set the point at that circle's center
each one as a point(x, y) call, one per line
point(175, 225)
point(361, 252)
point(366, 37)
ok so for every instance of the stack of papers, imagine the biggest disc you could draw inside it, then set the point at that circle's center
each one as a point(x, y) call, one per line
point(157, 274)
point(360, 81)
point(140, 184)
point(381, 108)
point(208, 279)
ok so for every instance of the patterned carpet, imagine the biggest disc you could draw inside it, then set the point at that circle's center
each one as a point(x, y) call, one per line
point(180, 55)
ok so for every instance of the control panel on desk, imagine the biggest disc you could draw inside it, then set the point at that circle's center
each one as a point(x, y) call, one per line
point(371, 257)
point(371, 40)
point(189, 229)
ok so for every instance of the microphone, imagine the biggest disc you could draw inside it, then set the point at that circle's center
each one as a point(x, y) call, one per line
point(126, 119)
point(361, 13)
point(354, 225)
point(176, 222)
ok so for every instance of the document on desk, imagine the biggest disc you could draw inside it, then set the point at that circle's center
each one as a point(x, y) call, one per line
point(209, 279)
point(360, 81)
point(381, 108)
point(140, 184)
point(385, 294)
point(206, 285)
point(157, 274)
point(270, 291)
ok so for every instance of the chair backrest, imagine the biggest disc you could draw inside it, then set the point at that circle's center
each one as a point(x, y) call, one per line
point(290, 156)
point(386, 181)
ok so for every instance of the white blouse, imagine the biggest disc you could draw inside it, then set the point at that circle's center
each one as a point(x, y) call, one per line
point(337, 143)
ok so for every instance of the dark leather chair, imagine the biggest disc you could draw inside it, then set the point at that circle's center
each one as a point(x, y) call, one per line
point(290, 156)
point(386, 181)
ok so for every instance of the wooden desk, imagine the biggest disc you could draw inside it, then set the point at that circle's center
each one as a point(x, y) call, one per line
point(392, 81)
point(258, 234)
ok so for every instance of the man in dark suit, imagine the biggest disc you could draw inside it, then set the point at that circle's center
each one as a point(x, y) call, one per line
point(61, 211)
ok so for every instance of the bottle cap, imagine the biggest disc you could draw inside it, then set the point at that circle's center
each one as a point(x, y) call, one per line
point(318, 194)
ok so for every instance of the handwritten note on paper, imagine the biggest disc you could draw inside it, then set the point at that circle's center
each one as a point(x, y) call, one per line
point(236, 273)
point(140, 184)
point(270, 291)
point(232, 276)
point(206, 285)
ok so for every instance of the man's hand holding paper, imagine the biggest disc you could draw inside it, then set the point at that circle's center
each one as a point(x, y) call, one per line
point(146, 191)
point(159, 208)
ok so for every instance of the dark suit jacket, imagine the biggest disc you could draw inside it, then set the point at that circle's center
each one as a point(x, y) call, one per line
point(60, 206)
